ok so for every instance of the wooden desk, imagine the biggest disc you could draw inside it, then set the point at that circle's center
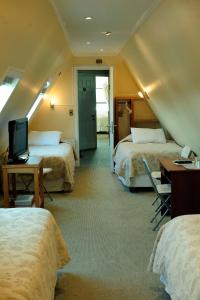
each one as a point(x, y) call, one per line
point(32, 166)
point(185, 186)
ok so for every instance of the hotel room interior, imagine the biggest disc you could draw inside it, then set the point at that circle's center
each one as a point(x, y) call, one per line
point(105, 203)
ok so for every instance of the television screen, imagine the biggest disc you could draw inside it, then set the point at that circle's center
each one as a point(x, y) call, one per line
point(18, 139)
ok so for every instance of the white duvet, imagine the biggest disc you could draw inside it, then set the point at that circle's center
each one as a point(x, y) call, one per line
point(127, 157)
point(60, 158)
point(31, 251)
point(176, 257)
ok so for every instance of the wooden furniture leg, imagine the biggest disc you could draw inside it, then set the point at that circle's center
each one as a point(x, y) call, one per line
point(5, 189)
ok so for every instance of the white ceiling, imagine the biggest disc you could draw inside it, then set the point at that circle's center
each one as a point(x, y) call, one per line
point(121, 17)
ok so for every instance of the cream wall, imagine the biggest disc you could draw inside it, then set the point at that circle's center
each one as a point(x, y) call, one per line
point(58, 118)
point(63, 91)
point(124, 83)
point(32, 41)
point(164, 56)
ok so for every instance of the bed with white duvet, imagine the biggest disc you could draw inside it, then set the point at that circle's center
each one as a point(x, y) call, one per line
point(62, 161)
point(31, 251)
point(128, 153)
point(176, 257)
point(57, 155)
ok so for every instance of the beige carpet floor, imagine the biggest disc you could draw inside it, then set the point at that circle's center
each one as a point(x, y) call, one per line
point(108, 234)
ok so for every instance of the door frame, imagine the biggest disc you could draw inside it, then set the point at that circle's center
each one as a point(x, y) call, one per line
point(75, 72)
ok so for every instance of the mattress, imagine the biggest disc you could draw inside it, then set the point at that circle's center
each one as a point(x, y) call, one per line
point(127, 158)
point(31, 251)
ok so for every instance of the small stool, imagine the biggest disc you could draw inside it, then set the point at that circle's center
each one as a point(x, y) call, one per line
point(45, 172)
point(27, 181)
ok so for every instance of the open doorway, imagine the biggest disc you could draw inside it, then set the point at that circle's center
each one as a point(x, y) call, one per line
point(102, 105)
point(93, 95)
point(86, 119)
point(102, 118)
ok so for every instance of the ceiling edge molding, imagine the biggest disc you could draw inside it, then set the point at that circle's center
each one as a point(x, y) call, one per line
point(146, 15)
point(62, 24)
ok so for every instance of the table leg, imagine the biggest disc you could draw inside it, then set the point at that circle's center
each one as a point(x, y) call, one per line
point(5, 189)
point(14, 189)
point(41, 187)
point(36, 188)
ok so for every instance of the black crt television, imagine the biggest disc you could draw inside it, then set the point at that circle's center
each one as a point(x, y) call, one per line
point(18, 140)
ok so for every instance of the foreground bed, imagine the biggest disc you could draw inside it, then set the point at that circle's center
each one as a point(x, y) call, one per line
point(31, 251)
point(128, 164)
point(176, 257)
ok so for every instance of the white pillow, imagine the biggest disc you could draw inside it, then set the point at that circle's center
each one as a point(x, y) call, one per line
point(148, 135)
point(44, 138)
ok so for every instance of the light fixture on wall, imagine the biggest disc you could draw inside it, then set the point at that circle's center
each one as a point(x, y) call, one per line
point(143, 95)
point(140, 94)
point(52, 102)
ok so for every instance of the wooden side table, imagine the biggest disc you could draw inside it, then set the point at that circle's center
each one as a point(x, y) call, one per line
point(32, 166)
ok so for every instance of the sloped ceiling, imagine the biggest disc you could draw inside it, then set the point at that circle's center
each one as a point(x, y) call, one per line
point(32, 44)
point(164, 56)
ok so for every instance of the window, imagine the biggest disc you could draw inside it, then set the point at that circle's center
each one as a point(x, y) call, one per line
point(8, 84)
point(38, 99)
point(101, 94)
point(102, 107)
point(101, 89)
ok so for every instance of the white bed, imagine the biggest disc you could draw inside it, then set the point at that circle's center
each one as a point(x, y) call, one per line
point(61, 158)
point(176, 257)
point(128, 164)
point(31, 251)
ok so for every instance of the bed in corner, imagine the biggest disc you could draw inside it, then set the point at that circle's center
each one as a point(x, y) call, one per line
point(61, 158)
point(127, 159)
point(31, 251)
point(57, 155)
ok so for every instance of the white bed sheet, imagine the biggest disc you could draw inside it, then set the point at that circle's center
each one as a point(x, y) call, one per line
point(127, 157)
point(31, 251)
point(176, 257)
point(61, 159)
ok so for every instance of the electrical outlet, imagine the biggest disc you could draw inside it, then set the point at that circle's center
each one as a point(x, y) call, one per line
point(71, 112)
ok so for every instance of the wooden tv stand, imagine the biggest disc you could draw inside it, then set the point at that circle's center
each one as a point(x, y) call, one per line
point(32, 166)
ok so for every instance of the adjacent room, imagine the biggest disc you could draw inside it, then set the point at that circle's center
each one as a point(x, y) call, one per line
point(99, 150)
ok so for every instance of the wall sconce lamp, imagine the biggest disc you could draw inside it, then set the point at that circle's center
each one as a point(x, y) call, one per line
point(140, 94)
point(52, 102)
point(143, 95)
